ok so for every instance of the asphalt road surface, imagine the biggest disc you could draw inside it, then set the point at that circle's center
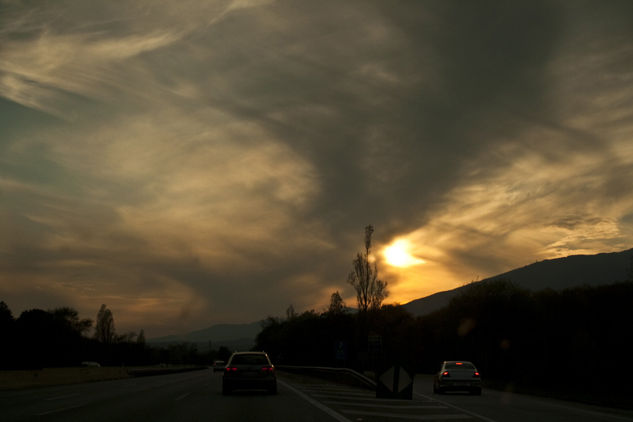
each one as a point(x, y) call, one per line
point(197, 396)
point(499, 406)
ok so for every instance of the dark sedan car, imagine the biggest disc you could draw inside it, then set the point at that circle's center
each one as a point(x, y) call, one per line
point(249, 370)
point(457, 376)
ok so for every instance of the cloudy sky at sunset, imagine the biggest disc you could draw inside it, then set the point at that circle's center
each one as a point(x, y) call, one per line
point(191, 162)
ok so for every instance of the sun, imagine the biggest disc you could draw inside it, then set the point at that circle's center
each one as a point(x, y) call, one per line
point(397, 255)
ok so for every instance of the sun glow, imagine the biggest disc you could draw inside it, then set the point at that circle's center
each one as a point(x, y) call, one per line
point(397, 254)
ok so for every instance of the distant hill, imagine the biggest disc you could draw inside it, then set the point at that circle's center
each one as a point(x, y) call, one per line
point(233, 336)
point(557, 274)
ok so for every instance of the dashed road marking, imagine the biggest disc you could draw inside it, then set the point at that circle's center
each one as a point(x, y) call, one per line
point(433, 417)
point(65, 396)
point(63, 409)
point(402, 406)
point(373, 399)
point(182, 396)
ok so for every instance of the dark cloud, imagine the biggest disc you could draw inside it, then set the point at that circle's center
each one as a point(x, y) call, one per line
point(457, 69)
point(203, 152)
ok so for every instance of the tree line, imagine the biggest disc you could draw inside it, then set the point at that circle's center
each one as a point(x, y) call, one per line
point(59, 337)
point(574, 342)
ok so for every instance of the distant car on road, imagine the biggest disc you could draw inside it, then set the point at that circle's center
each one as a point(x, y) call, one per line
point(457, 376)
point(249, 370)
point(218, 366)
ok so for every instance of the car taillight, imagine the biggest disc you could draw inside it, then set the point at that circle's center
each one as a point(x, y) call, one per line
point(267, 369)
point(476, 374)
point(231, 369)
point(446, 374)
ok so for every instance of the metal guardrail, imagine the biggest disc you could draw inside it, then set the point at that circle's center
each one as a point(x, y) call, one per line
point(338, 374)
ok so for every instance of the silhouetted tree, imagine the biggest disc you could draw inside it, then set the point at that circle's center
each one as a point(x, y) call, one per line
point(70, 317)
point(370, 291)
point(224, 353)
point(104, 328)
point(6, 319)
point(41, 339)
point(7, 323)
point(141, 338)
point(128, 337)
point(337, 305)
point(290, 312)
point(5, 311)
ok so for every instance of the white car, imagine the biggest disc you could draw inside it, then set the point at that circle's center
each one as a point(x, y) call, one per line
point(457, 376)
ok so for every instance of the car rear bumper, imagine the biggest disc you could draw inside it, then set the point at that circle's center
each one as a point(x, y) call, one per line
point(459, 385)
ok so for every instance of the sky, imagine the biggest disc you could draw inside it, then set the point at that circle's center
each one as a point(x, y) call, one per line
point(192, 162)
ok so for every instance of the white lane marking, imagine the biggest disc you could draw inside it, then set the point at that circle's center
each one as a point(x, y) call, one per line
point(456, 407)
point(63, 409)
point(334, 396)
point(384, 406)
point(182, 396)
point(315, 403)
point(329, 389)
point(374, 399)
point(435, 417)
point(65, 396)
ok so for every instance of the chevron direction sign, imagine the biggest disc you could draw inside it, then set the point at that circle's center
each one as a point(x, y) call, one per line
point(395, 383)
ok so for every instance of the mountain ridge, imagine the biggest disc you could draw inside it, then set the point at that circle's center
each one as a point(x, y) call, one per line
point(557, 274)
point(218, 334)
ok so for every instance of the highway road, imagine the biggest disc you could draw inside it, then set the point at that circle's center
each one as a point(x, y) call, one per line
point(499, 406)
point(196, 396)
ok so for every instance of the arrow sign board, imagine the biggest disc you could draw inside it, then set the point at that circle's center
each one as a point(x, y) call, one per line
point(395, 383)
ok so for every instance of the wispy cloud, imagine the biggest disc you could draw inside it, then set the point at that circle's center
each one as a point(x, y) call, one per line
point(53, 53)
point(201, 151)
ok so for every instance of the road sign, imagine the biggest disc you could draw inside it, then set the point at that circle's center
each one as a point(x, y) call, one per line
point(395, 383)
point(341, 351)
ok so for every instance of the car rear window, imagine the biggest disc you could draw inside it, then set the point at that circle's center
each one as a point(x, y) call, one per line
point(249, 360)
point(461, 365)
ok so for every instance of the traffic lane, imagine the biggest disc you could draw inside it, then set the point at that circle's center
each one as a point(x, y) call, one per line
point(194, 396)
point(350, 403)
point(142, 399)
point(500, 406)
point(51, 402)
